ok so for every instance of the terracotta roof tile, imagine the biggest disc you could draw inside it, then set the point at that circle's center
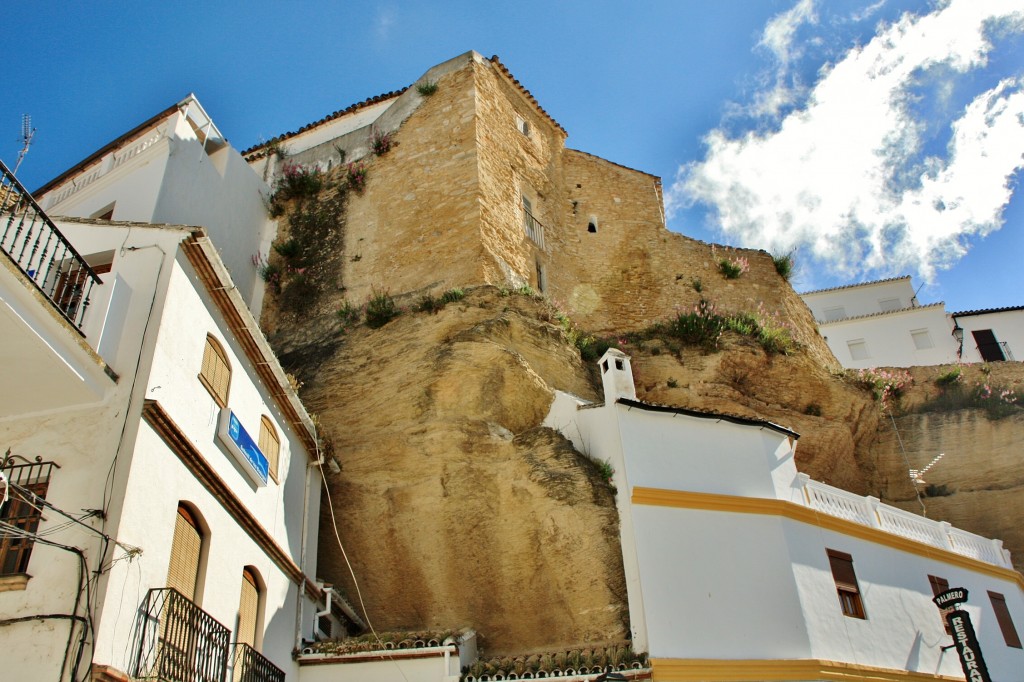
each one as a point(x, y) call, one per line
point(258, 151)
point(852, 286)
point(986, 311)
point(504, 69)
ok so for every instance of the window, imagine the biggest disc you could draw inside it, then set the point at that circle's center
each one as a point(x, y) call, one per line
point(542, 280)
point(836, 313)
point(887, 305)
point(858, 349)
point(20, 516)
point(248, 609)
point(74, 281)
point(989, 348)
point(846, 583)
point(940, 585)
point(186, 547)
point(1004, 620)
point(592, 226)
point(533, 227)
point(922, 339)
point(216, 371)
point(106, 213)
point(270, 444)
point(523, 125)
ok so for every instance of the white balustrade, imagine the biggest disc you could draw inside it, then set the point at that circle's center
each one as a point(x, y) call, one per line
point(868, 511)
point(105, 165)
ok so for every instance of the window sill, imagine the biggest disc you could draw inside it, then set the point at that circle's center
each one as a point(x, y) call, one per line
point(15, 582)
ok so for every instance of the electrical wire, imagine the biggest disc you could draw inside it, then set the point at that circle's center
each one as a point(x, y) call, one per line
point(344, 554)
point(913, 481)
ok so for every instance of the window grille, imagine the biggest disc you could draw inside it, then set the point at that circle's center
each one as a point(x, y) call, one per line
point(20, 515)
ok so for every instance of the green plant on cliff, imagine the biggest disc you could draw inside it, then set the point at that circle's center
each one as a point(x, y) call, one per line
point(355, 177)
point(733, 268)
point(784, 264)
point(380, 309)
point(427, 89)
point(886, 385)
point(381, 143)
point(997, 401)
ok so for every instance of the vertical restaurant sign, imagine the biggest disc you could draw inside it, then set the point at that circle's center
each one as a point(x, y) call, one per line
point(964, 637)
point(240, 444)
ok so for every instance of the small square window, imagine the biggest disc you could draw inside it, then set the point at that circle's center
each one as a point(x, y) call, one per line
point(887, 305)
point(858, 349)
point(922, 339)
point(836, 313)
point(523, 125)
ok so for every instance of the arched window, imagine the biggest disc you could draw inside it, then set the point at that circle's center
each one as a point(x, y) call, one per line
point(249, 608)
point(186, 548)
point(216, 371)
point(270, 444)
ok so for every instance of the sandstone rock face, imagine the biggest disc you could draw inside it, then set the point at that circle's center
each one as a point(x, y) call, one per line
point(979, 483)
point(454, 507)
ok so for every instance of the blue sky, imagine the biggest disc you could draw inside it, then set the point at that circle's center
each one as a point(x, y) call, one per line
point(872, 138)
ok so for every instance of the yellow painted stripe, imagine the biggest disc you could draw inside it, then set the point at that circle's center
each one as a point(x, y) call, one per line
point(683, 669)
point(659, 497)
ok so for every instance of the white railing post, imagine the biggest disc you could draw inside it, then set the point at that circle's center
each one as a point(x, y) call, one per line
point(803, 479)
point(873, 503)
point(947, 542)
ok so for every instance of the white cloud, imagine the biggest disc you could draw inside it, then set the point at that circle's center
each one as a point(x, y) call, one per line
point(844, 176)
point(781, 29)
point(385, 21)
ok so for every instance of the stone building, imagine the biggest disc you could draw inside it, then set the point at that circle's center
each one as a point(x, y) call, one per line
point(479, 179)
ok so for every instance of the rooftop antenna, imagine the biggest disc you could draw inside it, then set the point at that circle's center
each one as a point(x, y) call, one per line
point(916, 476)
point(27, 133)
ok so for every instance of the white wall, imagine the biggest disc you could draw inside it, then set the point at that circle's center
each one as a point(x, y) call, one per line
point(738, 582)
point(173, 180)
point(1008, 327)
point(387, 669)
point(889, 339)
point(864, 299)
point(166, 320)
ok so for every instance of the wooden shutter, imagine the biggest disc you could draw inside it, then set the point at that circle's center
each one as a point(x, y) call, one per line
point(185, 548)
point(216, 372)
point(248, 607)
point(842, 570)
point(940, 585)
point(1005, 622)
point(270, 444)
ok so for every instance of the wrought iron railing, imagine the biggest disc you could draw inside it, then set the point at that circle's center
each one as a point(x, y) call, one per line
point(33, 243)
point(1006, 351)
point(534, 228)
point(252, 666)
point(178, 641)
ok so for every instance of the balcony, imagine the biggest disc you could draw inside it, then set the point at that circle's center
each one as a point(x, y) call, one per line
point(37, 248)
point(252, 666)
point(179, 642)
point(870, 512)
point(534, 228)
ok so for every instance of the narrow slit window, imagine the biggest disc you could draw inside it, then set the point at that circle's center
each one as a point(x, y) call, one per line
point(846, 584)
point(215, 373)
point(1010, 635)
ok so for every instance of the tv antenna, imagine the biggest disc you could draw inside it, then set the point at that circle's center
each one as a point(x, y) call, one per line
point(917, 476)
point(27, 133)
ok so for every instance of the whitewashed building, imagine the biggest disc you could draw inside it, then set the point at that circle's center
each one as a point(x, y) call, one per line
point(882, 324)
point(175, 168)
point(161, 493)
point(990, 335)
point(738, 567)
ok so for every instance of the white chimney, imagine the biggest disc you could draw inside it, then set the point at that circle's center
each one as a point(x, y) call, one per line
point(616, 376)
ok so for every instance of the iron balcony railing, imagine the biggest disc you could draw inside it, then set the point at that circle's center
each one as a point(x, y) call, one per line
point(252, 666)
point(534, 228)
point(179, 642)
point(33, 243)
point(1006, 351)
